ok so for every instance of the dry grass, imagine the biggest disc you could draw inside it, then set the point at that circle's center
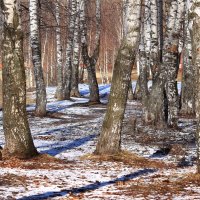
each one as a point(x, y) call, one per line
point(13, 180)
point(42, 161)
point(163, 186)
point(130, 159)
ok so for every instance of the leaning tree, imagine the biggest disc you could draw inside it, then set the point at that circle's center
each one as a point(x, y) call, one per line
point(110, 137)
point(18, 140)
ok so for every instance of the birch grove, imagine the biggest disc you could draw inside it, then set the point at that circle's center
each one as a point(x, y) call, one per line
point(155, 43)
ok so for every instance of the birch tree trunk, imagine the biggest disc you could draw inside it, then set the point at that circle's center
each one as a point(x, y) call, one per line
point(90, 61)
point(76, 53)
point(110, 137)
point(196, 54)
point(164, 88)
point(59, 90)
point(144, 52)
point(154, 54)
point(170, 59)
point(188, 80)
point(18, 139)
point(36, 58)
point(69, 51)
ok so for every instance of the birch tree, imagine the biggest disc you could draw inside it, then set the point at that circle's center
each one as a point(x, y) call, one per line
point(196, 57)
point(91, 60)
point(165, 82)
point(154, 53)
point(76, 53)
point(144, 52)
point(110, 137)
point(59, 91)
point(69, 50)
point(18, 140)
point(170, 59)
point(36, 58)
point(188, 88)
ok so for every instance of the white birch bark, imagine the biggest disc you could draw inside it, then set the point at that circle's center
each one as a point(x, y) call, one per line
point(18, 139)
point(110, 137)
point(59, 90)
point(91, 60)
point(144, 52)
point(154, 54)
point(76, 53)
point(69, 50)
point(196, 60)
point(188, 87)
point(36, 58)
point(170, 58)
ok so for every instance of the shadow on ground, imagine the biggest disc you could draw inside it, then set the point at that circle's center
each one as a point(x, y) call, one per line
point(90, 187)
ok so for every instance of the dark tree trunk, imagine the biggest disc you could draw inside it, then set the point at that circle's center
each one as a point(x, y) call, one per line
point(75, 81)
point(90, 63)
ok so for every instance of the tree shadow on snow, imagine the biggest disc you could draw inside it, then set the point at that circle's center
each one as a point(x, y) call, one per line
point(59, 148)
point(90, 187)
point(87, 91)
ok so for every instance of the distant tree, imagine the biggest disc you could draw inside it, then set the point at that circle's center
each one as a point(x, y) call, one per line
point(91, 60)
point(18, 140)
point(72, 6)
point(110, 137)
point(60, 88)
point(144, 51)
point(76, 52)
point(36, 58)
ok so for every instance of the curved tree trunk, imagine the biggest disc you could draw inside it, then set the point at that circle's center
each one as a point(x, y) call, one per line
point(18, 140)
point(36, 58)
point(110, 138)
point(90, 61)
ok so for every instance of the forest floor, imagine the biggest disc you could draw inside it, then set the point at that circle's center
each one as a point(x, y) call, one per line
point(153, 164)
